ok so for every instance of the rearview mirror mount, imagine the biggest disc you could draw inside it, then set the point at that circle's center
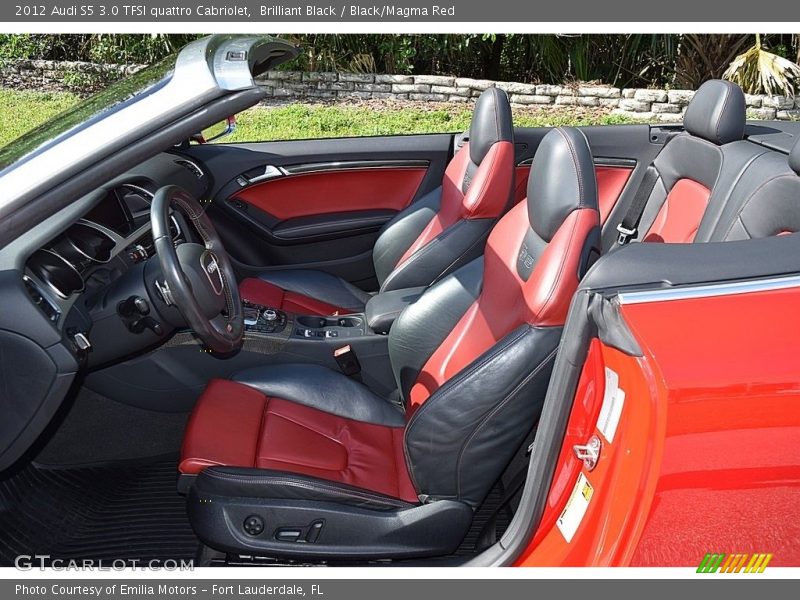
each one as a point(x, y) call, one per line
point(216, 131)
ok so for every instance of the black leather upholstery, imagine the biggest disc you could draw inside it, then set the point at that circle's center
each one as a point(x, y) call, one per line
point(399, 233)
point(491, 123)
point(737, 158)
point(562, 180)
point(764, 201)
point(383, 309)
point(421, 328)
point(717, 112)
point(794, 157)
point(453, 248)
point(319, 284)
point(456, 447)
point(322, 388)
point(280, 485)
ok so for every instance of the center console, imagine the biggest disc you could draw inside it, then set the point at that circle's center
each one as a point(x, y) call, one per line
point(260, 319)
point(348, 326)
point(263, 319)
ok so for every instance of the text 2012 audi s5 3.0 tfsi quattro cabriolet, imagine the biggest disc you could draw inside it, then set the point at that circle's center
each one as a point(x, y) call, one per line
point(513, 346)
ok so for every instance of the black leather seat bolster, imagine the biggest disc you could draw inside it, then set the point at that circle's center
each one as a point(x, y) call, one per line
point(242, 482)
point(506, 387)
point(458, 245)
point(324, 389)
point(319, 285)
point(382, 309)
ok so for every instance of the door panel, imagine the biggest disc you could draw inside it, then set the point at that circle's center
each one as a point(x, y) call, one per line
point(317, 203)
point(332, 189)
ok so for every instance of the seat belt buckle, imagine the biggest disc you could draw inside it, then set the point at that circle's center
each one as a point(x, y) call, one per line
point(347, 360)
point(625, 235)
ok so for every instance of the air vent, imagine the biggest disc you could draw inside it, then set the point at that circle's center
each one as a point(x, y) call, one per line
point(190, 166)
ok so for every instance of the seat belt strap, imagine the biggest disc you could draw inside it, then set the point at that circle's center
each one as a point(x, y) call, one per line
point(629, 228)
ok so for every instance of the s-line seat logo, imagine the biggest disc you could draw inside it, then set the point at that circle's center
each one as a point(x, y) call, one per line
point(734, 563)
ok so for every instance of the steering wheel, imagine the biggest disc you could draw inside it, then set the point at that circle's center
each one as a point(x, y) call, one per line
point(199, 278)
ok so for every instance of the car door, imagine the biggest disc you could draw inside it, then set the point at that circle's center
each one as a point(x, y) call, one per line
point(316, 204)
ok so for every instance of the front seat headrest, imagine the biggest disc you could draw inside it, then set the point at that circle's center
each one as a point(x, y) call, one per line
point(562, 179)
point(491, 123)
point(717, 112)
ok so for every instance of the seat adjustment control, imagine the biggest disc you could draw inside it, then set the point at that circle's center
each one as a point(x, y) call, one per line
point(253, 525)
point(288, 534)
point(302, 535)
point(313, 531)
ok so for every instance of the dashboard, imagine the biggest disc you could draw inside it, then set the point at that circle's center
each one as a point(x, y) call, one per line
point(81, 290)
point(118, 227)
point(69, 271)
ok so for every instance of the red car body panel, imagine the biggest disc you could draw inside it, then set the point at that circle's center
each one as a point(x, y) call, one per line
point(704, 459)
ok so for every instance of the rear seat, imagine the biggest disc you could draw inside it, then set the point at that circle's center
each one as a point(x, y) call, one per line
point(712, 185)
point(695, 163)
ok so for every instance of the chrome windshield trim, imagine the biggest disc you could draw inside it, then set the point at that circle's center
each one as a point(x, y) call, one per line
point(710, 291)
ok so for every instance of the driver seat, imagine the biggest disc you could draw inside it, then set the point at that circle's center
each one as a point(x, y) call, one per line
point(300, 460)
point(438, 233)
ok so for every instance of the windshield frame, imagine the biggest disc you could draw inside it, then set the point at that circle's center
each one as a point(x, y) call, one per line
point(205, 70)
point(85, 113)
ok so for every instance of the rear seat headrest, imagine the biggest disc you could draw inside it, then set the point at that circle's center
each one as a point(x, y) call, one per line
point(491, 123)
point(794, 157)
point(562, 179)
point(717, 112)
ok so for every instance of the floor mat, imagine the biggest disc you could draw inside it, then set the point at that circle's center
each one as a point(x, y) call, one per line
point(128, 511)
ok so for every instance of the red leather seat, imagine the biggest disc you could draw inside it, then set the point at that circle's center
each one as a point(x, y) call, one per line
point(431, 238)
point(235, 424)
point(307, 453)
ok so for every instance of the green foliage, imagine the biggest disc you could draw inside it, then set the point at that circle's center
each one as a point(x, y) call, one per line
point(302, 121)
point(623, 60)
point(78, 80)
point(103, 48)
point(21, 111)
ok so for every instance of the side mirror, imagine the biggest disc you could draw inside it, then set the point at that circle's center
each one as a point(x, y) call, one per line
point(215, 131)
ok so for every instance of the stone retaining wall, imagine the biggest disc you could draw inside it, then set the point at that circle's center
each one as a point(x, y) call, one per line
point(61, 76)
point(645, 104)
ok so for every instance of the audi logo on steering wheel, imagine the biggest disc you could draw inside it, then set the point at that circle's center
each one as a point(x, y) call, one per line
point(210, 265)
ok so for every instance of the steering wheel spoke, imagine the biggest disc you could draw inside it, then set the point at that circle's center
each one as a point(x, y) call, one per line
point(200, 277)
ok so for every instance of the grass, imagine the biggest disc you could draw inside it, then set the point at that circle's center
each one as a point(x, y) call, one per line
point(298, 121)
point(24, 110)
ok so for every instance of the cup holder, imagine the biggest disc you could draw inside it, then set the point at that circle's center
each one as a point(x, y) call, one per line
point(323, 322)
